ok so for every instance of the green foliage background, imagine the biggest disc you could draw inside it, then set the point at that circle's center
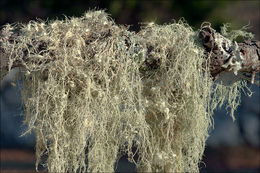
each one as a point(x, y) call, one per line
point(136, 11)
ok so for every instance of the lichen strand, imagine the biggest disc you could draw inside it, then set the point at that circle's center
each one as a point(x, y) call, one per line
point(94, 90)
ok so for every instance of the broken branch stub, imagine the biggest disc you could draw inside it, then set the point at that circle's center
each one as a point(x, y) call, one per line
point(227, 56)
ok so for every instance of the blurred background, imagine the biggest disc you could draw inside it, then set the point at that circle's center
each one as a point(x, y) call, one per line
point(231, 147)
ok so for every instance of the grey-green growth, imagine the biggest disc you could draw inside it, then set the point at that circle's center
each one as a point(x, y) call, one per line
point(98, 87)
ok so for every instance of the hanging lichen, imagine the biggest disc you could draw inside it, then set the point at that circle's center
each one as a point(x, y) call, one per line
point(94, 90)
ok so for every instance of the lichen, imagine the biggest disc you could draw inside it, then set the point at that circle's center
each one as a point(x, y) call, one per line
point(94, 90)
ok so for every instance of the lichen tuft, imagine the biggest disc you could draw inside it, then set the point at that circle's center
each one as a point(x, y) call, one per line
point(94, 90)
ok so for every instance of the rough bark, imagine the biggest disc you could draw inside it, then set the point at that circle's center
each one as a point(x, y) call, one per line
point(227, 56)
point(224, 55)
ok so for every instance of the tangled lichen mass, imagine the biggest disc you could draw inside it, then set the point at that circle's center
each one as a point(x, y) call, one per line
point(94, 90)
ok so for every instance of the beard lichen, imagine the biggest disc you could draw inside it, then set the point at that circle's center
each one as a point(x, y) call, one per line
point(94, 90)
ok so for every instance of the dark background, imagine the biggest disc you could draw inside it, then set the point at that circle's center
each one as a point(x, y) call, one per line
point(232, 146)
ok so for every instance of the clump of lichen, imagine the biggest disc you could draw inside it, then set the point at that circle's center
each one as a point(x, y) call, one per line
point(94, 90)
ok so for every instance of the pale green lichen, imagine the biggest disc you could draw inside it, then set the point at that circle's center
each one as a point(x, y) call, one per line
point(96, 90)
point(233, 34)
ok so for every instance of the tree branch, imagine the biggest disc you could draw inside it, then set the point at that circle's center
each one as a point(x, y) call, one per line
point(224, 55)
point(227, 56)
